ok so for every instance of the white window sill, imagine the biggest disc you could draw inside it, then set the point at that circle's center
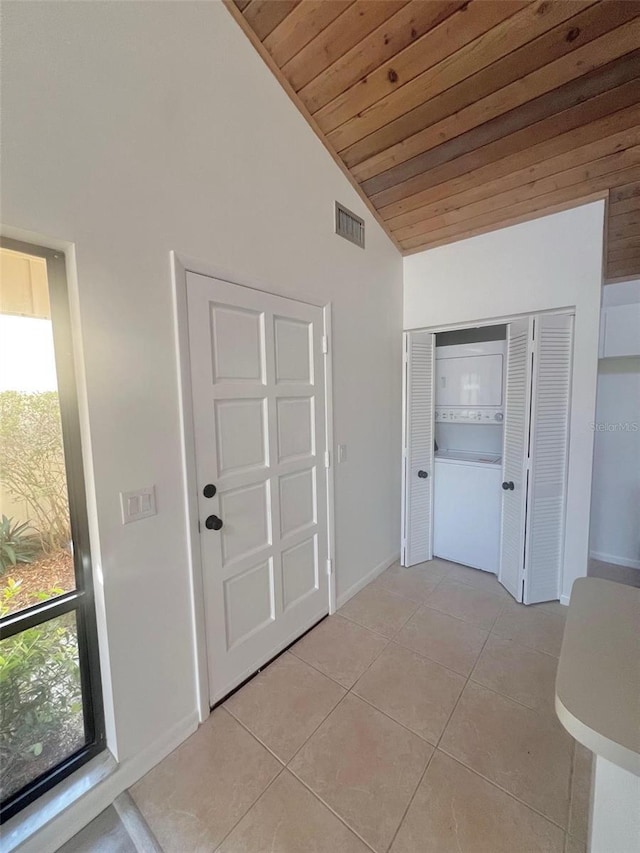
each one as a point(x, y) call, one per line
point(23, 826)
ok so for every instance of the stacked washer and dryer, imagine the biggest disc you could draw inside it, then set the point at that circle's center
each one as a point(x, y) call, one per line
point(469, 415)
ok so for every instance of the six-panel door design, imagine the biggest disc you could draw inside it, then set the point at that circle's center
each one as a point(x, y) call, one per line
point(258, 391)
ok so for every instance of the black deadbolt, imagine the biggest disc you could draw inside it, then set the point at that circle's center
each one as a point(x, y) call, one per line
point(209, 490)
point(213, 523)
point(508, 486)
point(423, 475)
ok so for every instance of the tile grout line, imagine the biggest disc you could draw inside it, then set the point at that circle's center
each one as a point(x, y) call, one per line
point(444, 728)
point(242, 817)
point(285, 767)
point(473, 770)
point(503, 790)
point(331, 809)
point(351, 690)
point(253, 735)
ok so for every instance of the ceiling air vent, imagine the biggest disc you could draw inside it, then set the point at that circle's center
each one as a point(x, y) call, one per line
point(349, 226)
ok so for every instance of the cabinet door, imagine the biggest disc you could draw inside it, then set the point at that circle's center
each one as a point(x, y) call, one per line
point(516, 446)
point(418, 461)
point(548, 457)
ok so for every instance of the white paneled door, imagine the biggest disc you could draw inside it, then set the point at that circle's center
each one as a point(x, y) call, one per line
point(257, 375)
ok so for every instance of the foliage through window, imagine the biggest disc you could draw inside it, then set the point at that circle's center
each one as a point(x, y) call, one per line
point(50, 699)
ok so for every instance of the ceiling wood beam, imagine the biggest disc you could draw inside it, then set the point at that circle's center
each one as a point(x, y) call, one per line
point(525, 177)
point(538, 85)
point(629, 253)
point(622, 193)
point(625, 243)
point(301, 25)
point(451, 118)
point(624, 206)
point(500, 55)
point(405, 27)
point(467, 22)
point(263, 16)
point(596, 176)
point(571, 94)
point(344, 33)
point(502, 214)
point(589, 120)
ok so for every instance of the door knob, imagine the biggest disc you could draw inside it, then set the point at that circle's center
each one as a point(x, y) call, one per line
point(209, 490)
point(213, 522)
point(423, 475)
point(508, 486)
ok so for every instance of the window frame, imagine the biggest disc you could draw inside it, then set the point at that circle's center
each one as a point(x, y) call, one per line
point(82, 599)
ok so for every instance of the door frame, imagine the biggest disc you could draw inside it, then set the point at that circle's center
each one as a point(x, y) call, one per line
point(487, 321)
point(180, 266)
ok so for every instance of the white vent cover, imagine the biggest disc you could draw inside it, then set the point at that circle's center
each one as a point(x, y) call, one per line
point(349, 226)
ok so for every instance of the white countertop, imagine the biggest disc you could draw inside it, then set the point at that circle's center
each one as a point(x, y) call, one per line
point(598, 681)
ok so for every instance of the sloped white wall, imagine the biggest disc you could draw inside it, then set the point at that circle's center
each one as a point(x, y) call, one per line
point(133, 129)
point(551, 262)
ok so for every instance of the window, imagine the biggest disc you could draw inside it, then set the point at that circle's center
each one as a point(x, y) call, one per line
point(51, 714)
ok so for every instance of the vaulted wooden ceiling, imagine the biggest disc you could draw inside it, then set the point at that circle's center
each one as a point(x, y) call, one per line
point(456, 117)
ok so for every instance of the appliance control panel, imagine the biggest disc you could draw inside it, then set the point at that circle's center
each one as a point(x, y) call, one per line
point(484, 415)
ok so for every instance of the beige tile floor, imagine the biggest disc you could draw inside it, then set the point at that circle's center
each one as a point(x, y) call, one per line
point(418, 719)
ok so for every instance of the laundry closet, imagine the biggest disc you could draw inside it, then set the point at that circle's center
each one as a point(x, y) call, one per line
point(486, 425)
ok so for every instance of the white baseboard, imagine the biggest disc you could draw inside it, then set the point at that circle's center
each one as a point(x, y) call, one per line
point(358, 585)
point(90, 800)
point(628, 562)
point(564, 599)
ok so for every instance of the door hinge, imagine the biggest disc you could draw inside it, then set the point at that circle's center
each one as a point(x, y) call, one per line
point(325, 344)
point(327, 459)
point(199, 527)
point(329, 567)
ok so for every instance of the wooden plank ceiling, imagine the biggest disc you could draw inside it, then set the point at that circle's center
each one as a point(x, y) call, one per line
point(456, 117)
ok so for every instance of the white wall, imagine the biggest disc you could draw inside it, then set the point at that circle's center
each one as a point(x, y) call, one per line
point(134, 129)
point(615, 504)
point(551, 262)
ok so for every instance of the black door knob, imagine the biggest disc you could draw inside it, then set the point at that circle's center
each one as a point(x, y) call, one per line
point(213, 523)
point(423, 475)
point(209, 490)
point(508, 486)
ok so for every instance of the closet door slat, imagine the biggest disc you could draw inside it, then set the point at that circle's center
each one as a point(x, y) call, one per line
point(514, 467)
point(549, 452)
point(418, 506)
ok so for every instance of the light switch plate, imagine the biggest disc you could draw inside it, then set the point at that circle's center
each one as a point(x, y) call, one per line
point(138, 504)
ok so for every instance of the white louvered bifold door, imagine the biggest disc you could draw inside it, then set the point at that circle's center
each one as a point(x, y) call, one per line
point(418, 502)
point(514, 467)
point(548, 457)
